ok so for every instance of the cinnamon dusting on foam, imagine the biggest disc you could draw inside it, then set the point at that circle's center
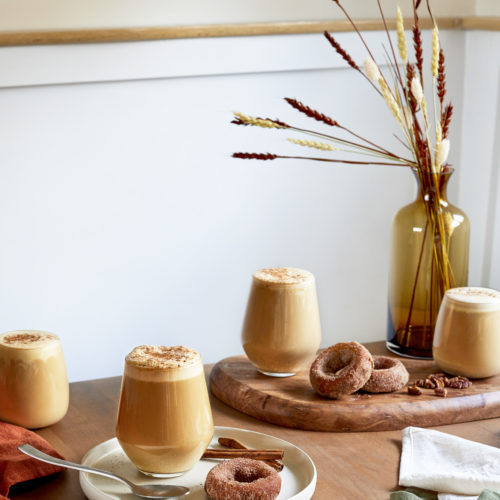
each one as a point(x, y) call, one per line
point(283, 275)
point(475, 295)
point(26, 338)
point(162, 357)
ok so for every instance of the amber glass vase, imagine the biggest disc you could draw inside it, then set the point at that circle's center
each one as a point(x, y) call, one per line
point(430, 254)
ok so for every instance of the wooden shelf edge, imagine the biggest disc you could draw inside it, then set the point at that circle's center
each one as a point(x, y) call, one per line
point(23, 38)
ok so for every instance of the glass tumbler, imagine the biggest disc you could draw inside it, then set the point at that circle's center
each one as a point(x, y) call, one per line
point(467, 335)
point(164, 421)
point(281, 330)
point(34, 390)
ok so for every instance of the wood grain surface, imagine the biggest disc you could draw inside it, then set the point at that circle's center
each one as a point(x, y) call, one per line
point(350, 466)
point(106, 35)
point(291, 402)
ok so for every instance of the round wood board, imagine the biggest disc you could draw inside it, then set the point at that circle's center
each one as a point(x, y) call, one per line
point(291, 402)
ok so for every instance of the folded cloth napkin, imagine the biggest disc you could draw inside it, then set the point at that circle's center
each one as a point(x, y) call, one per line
point(15, 466)
point(441, 462)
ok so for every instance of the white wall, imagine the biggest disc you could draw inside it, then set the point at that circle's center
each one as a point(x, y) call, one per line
point(487, 8)
point(76, 14)
point(480, 154)
point(125, 220)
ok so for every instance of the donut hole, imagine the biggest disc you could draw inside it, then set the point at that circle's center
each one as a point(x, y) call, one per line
point(341, 369)
point(334, 364)
point(242, 479)
point(388, 375)
point(246, 476)
point(382, 363)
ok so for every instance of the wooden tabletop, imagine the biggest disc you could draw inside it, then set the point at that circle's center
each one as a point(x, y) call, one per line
point(350, 465)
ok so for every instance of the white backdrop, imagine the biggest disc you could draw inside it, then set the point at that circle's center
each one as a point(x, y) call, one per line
point(124, 220)
point(76, 14)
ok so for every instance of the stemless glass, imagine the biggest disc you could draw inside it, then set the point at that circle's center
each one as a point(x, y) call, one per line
point(467, 336)
point(34, 390)
point(164, 421)
point(281, 331)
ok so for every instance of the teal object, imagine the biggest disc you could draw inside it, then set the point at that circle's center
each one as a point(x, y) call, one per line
point(489, 495)
point(416, 494)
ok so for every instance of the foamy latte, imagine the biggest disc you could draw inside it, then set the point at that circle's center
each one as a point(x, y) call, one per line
point(34, 390)
point(467, 334)
point(164, 421)
point(281, 331)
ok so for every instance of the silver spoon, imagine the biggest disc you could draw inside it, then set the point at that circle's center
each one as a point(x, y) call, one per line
point(149, 491)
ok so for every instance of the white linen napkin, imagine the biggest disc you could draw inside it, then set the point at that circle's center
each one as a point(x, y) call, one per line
point(441, 462)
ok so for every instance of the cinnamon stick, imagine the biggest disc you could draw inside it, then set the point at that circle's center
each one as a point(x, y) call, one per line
point(241, 453)
point(236, 445)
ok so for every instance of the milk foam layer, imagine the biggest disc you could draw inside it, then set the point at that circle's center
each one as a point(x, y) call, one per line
point(475, 297)
point(27, 339)
point(284, 276)
point(152, 362)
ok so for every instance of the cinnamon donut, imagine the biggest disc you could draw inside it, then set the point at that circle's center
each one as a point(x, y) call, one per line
point(388, 375)
point(341, 369)
point(242, 479)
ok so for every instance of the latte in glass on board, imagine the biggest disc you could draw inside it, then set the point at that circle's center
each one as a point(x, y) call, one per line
point(34, 390)
point(281, 330)
point(164, 421)
point(467, 335)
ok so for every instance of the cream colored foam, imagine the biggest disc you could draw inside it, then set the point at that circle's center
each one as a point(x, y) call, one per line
point(284, 276)
point(475, 295)
point(27, 339)
point(29, 345)
point(162, 363)
point(162, 357)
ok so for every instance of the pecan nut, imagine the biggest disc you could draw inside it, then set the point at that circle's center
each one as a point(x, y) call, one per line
point(414, 390)
point(459, 383)
point(441, 392)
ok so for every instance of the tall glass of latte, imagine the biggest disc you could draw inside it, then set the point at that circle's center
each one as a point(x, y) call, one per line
point(164, 421)
point(467, 333)
point(34, 390)
point(281, 331)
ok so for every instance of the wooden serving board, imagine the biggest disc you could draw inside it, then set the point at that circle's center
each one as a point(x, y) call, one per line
point(291, 402)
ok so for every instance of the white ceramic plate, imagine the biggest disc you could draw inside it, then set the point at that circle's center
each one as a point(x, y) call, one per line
point(298, 477)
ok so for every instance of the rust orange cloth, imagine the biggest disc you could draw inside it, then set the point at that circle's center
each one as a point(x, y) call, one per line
point(15, 466)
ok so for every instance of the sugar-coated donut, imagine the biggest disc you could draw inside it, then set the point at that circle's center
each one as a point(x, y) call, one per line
point(341, 369)
point(242, 479)
point(388, 375)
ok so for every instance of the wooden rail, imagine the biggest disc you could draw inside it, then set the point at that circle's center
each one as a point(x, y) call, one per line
point(18, 38)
